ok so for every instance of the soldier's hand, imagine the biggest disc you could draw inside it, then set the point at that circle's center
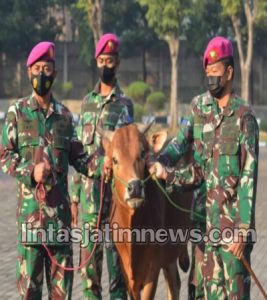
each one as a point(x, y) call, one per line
point(41, 171)
point(237, 249)
point(158, 170)
point(74, 214)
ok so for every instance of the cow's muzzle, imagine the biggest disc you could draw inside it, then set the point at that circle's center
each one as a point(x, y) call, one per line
point(135, 194)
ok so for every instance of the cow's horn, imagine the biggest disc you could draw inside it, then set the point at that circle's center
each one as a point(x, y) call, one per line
point(143, 128)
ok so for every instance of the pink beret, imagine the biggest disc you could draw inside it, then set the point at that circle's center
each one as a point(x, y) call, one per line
point(42, 51)
point(108, 44)
point(217, 49)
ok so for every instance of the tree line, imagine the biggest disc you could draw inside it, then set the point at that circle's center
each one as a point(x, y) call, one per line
point(141, 25)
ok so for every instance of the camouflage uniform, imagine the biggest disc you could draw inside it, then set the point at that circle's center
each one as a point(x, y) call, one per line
point(198, 212)
point(29, 135)
point(227, 142)
point(107, 113)
point(198, 215)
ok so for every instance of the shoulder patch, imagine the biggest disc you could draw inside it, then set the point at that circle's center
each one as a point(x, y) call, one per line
point(184, 122)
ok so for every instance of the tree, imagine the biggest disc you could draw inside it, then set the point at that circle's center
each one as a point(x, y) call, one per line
point(95, 11)
point(204, 23)
point(243, 15)
point(168, 19)
point(127, 19)
point(79, 13)
point(24, 23)
point(95, 16)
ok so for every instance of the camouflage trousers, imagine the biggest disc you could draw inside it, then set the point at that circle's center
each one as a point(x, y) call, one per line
point(92, 272)
point(198, 216)
point(196, 280)
point(32, 260)
point(225, 277)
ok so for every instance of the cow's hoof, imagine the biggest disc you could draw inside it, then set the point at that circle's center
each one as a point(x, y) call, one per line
point(184, 261)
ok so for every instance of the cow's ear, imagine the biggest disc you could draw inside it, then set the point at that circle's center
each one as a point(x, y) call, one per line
point(157, 140)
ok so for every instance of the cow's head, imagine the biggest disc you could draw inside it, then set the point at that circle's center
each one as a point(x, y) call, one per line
point(127, 147)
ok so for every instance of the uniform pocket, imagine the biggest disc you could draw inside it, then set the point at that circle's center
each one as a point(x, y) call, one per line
point(27, 148)
point(27, 132)
point(61, 149)
point(111, 115)
point(61, 142)
point(88, 133)
point(208, 140)
point(228, 164)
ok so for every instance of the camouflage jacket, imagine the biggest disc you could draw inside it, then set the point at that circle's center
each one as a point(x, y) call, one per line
point(31, 135)
point(226, 153)
point(106, 113)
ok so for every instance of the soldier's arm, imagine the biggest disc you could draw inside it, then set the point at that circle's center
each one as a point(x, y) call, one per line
point(249, 150)
point(178, 146)
point(80, 160)
point(76, 178)
point(190, 176)
point(11, 161)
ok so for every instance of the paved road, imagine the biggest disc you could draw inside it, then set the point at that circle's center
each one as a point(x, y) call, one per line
point(8, 242)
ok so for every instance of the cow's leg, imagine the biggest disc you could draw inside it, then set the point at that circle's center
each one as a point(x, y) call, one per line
point(149, 290)
point(173, 281)
point(135, 295)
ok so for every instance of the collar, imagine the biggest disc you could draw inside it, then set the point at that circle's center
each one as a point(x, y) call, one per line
point(35, 105)
point(208, 99)
point(113, 95)
point(228, 110)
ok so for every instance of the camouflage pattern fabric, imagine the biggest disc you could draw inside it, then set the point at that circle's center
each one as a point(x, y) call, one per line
point(91, 274)
point(225, 276)
point(106, 113)
point(29, 136)
point(30, 264)
point(195, 279)
point(226, 147)
point(198, 209)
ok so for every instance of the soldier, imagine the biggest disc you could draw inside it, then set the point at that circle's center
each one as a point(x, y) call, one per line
point(224, 133)
point(107, 108)
point(38, 144)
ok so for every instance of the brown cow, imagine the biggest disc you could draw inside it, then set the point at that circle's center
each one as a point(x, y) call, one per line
point(137, 205)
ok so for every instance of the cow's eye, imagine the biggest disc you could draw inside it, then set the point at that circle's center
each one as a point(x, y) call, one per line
point(115, 161)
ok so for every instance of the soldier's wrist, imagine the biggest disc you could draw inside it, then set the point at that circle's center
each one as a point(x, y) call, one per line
point(170, 175)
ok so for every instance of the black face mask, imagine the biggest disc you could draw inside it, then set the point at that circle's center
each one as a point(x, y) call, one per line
point(107, 75)
point(42, 83)
point(214, 86)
